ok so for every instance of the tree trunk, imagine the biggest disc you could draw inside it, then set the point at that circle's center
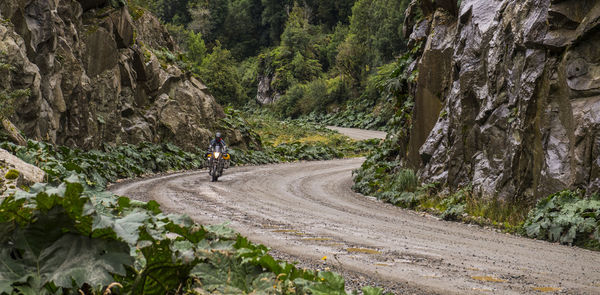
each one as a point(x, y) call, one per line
point(13, 132)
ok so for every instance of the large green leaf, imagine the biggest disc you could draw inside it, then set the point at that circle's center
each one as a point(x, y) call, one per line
point(45, 252)
point(162, 272)
point(68, 262)
point(10, 271)
point(125, 228)
point(329, 284)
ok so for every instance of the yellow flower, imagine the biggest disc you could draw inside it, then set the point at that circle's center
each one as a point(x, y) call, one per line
point(324, 258)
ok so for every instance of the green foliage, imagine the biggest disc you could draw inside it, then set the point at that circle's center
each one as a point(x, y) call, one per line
point(566, 217)
point(248, 73)
point(274, 17)
point(242, 31)
point(377, 24)
point(453, 207)
point(100, 167)
point(49, 242)
point(292, 140)
point(219, 71)
point(313, 98)
point(196, 50)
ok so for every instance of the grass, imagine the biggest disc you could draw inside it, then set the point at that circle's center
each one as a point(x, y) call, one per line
point(505, 215)
point(274, 133)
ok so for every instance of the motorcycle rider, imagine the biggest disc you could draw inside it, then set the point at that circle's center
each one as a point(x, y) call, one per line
point(218, 140)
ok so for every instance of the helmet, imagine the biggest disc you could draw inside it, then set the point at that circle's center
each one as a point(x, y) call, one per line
point(218, 135)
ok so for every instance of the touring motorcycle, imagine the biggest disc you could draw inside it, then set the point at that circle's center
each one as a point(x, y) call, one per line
point(217, 161)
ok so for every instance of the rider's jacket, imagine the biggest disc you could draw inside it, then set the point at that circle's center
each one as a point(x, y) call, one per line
point(214, 142)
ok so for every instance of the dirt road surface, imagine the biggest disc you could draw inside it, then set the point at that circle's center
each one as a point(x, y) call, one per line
point(305, 211)
point(359, 134)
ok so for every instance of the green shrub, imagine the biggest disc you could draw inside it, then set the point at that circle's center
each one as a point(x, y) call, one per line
point(566, 217)
point(405, 180)
point(219, 71)
point(453, 207)
point(314, 98)
point(288, 105)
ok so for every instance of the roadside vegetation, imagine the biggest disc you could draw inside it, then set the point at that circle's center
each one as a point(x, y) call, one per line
point(66, 238)
point(70, 236)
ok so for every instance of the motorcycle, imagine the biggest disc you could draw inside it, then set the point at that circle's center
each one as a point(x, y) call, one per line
point(217, 160)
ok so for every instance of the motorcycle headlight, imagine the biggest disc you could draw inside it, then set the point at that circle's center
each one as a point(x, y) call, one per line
point(217, 154)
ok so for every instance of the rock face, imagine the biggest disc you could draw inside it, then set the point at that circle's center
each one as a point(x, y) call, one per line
point(95, 78)
point(265, 94)
point(508, 95)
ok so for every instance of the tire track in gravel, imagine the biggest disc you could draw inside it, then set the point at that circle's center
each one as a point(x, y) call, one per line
point(307, 210)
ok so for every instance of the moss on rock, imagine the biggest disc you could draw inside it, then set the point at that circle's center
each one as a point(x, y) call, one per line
point(12, 174)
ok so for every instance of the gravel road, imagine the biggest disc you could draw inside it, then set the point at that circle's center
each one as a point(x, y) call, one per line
point(359, 134)
point(307, 210)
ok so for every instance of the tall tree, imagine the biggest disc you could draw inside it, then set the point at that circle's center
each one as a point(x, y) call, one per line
point(242, 28)
point(274, 16)
point(375, 37)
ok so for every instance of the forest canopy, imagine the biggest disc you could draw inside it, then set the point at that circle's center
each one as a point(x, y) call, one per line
point(310, 56)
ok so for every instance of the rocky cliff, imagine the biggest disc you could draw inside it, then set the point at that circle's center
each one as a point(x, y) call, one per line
point(508, 95)
point(99, 73)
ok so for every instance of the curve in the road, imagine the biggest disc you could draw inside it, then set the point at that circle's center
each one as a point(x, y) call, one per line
point(308, 211)
point(359, 134)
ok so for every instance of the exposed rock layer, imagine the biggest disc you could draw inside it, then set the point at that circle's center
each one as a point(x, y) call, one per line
point(508, 95)
point(95, 78)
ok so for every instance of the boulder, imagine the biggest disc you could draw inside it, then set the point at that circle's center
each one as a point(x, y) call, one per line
point(27, 172)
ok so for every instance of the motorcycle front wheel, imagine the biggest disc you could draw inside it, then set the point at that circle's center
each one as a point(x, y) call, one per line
point(215, 172)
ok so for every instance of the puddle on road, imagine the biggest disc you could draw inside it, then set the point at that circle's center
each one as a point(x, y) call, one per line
point(545, 289)
point(363, 250)
point(270, 226)
point(488, 279)
point(317, 239)
point(384, 264)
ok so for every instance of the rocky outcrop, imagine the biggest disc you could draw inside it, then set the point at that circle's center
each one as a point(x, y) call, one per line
point(95, 78)
point(265, 93)
point(508, 95)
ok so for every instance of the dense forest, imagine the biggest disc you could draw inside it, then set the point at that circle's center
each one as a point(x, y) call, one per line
point(308, 57)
